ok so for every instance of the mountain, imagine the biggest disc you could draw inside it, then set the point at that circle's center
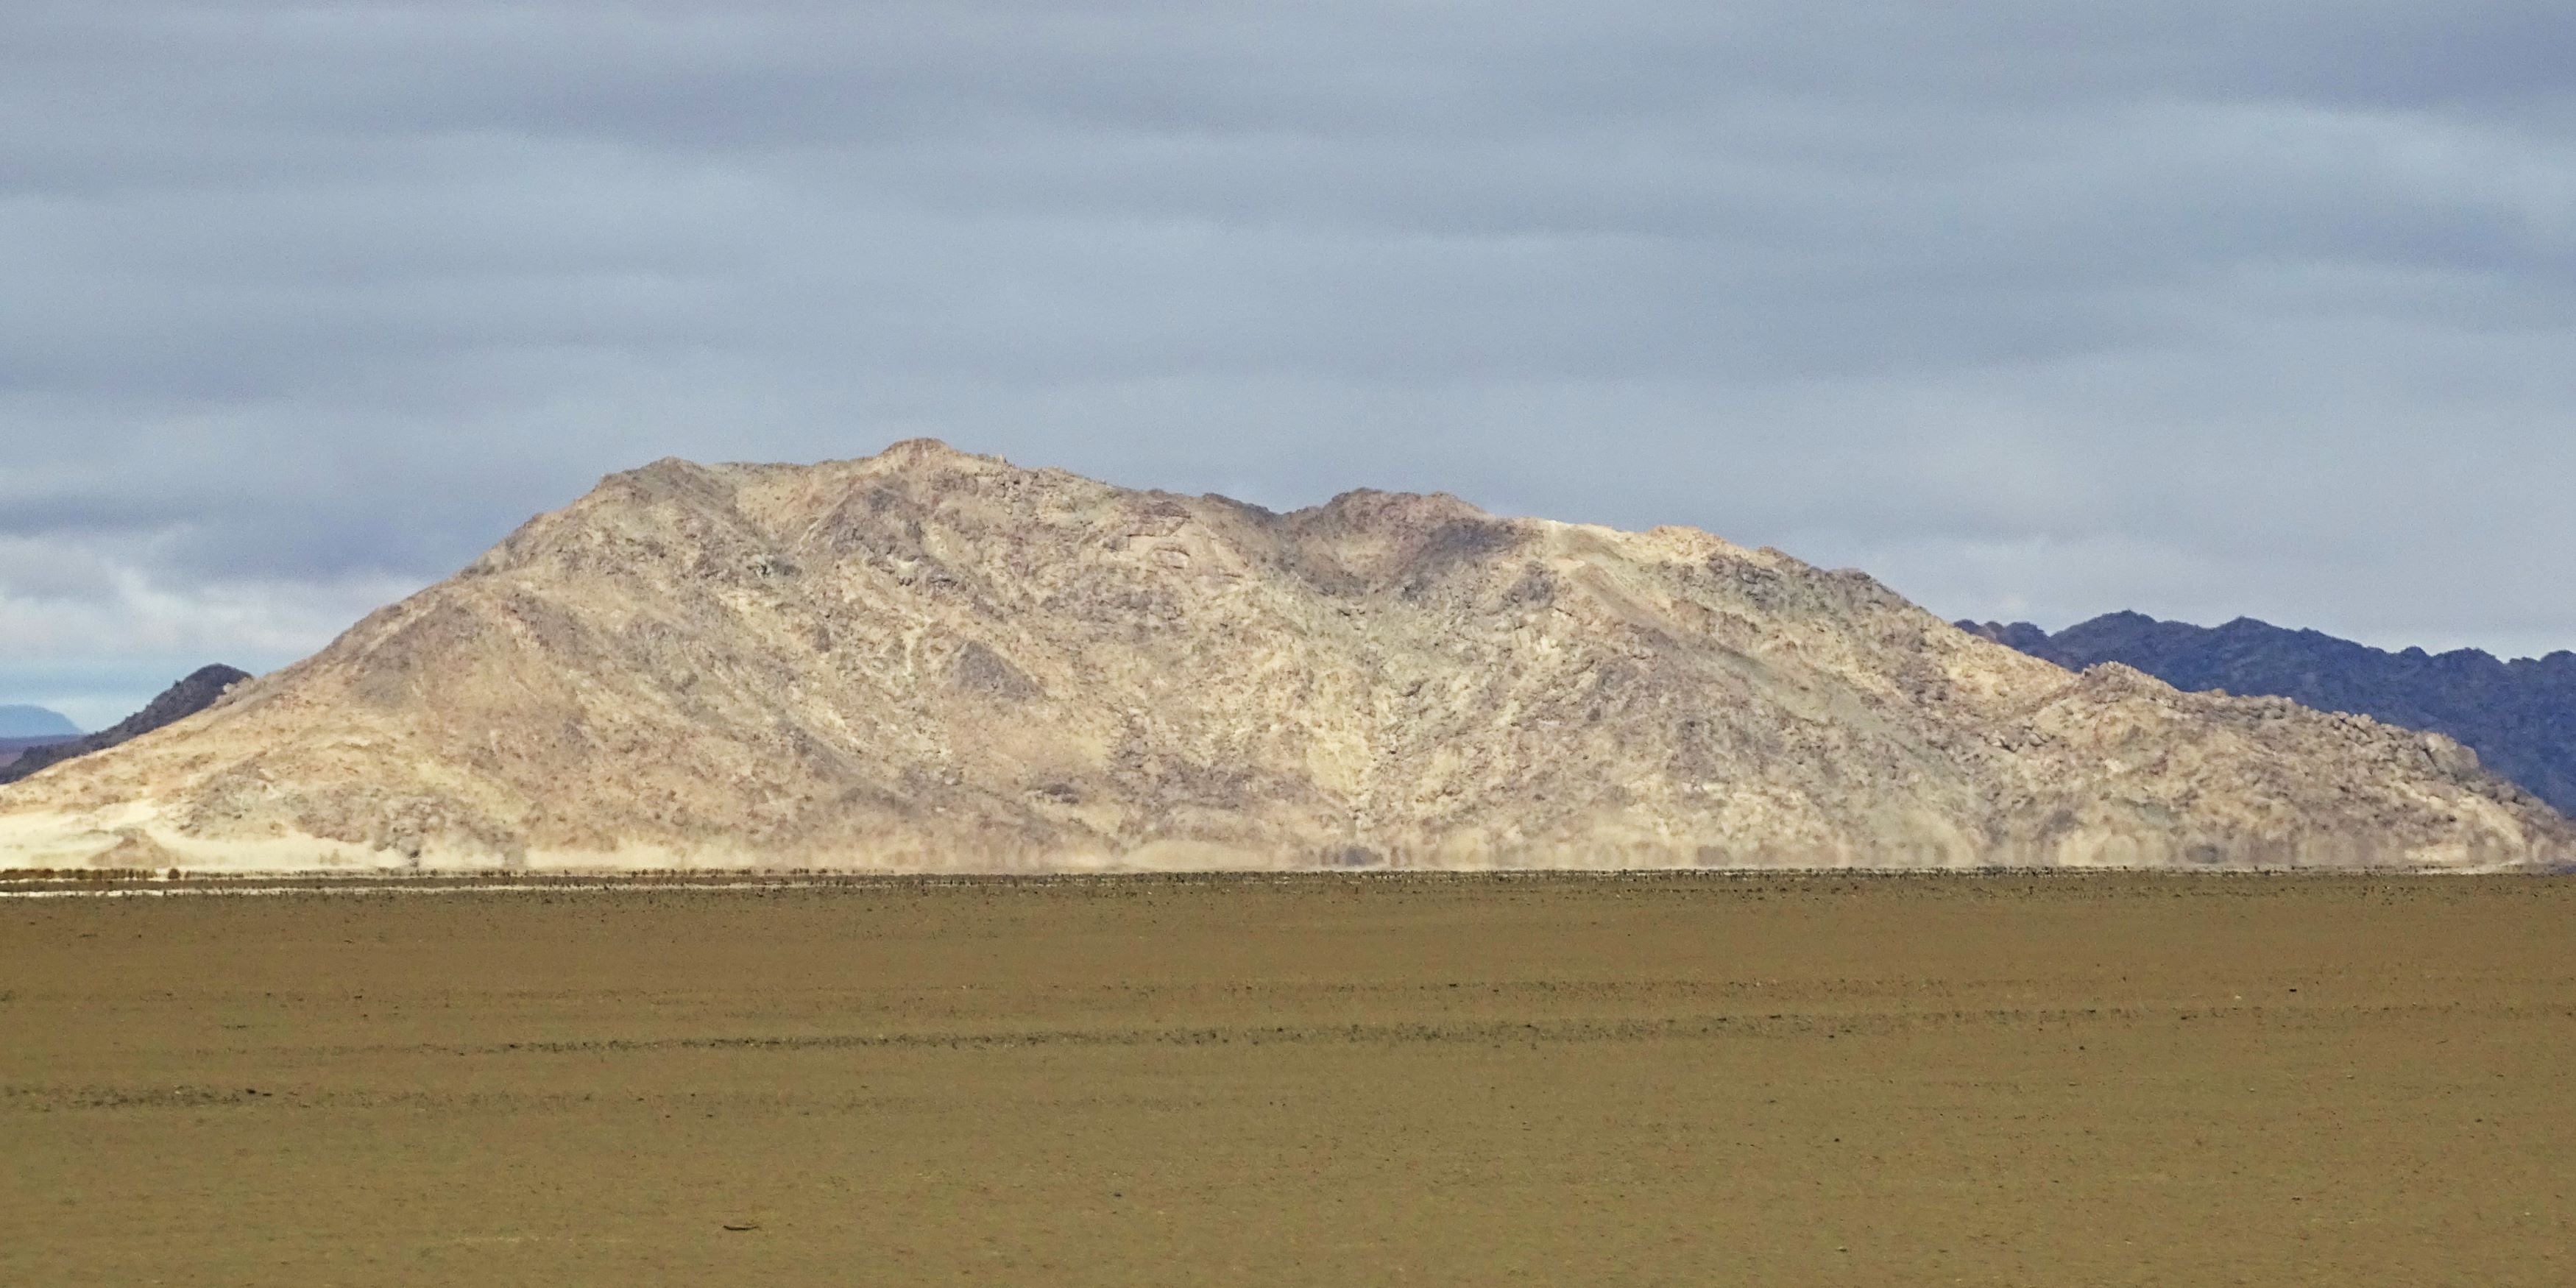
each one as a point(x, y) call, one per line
point(23, 723)
point(2519, 716)
point(933, 661)
point(186, 698)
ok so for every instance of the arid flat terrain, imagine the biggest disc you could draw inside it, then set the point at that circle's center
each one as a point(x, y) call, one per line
point(2064, 1080)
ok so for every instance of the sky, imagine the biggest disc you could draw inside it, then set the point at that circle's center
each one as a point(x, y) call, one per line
point(2032, 310)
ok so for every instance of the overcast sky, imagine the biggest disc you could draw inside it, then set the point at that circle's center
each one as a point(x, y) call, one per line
point(2034, 310)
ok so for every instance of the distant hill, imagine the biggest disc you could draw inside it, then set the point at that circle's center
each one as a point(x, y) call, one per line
point(178, 702)
point(20, 723)
point(2519, 716)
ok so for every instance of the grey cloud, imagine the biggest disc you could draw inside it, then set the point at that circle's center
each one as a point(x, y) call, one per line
point(2194, 307)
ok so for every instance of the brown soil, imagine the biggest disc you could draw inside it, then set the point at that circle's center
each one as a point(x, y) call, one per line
point(2167, 1080)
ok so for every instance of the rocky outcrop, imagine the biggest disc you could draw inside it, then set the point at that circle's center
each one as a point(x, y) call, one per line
point(189, 696)
point(2519, 716)
point(934, 661)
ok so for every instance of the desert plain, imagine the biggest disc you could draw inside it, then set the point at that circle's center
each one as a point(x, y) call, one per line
point(2168, 1078)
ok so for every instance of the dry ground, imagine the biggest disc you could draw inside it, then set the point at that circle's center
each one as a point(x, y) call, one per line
point(1924, 1080)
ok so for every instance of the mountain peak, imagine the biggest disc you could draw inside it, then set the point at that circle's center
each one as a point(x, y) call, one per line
point(930, 660)
point(916, 453)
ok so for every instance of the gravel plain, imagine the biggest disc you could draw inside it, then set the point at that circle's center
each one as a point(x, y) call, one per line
point(1826, 1079)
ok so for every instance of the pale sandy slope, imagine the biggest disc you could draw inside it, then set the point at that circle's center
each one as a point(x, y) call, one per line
point(930, 660)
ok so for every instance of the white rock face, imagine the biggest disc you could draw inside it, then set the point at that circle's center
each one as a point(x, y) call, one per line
point(932, 661)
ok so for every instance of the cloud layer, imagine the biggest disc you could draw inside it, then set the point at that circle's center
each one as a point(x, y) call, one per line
point(2035, 311)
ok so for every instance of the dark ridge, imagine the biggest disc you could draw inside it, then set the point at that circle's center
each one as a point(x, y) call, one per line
point(176, 703)
point(2519, 716)
point(12, 748)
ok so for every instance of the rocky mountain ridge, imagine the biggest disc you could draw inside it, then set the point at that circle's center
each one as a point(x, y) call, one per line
point(933, 661)
point(194, 692)
point(12, 748)
point(2518, 715)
